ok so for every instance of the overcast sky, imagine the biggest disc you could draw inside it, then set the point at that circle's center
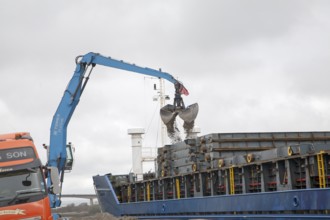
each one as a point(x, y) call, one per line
point(251, 65)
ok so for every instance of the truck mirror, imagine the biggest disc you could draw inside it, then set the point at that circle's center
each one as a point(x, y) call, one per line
point(26, 183)
point(54, 177)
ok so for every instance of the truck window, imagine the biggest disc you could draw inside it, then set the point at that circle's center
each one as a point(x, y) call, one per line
point(21, 186)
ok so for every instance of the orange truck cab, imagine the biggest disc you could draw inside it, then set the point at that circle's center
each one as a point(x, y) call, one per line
point(23, 193)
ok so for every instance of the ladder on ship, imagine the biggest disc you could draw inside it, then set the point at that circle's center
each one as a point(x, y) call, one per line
point(320, 167)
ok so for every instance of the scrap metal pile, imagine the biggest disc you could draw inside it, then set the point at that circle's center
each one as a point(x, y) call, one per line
point(218, 150)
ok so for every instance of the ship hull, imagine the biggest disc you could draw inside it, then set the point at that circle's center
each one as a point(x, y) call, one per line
point(274, 175)
point(291, 204)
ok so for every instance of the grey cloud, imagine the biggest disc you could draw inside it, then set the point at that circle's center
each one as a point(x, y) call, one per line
point(251, 66)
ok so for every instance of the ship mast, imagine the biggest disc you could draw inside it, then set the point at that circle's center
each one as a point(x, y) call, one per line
point(161, 97)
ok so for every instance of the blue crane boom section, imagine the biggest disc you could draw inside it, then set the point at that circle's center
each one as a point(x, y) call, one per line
point(58, 133)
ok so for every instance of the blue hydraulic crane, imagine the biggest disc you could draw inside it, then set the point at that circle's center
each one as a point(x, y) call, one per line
point(60, 155)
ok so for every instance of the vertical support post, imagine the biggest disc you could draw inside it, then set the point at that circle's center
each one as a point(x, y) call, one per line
point(177, 184)
point(163, 189)
point(213, 182)
point(226, 181)
point(186, 181)
point(148, 191)
point(307, 174)
point(231, 180)
point(262, 179)
point(129, 192)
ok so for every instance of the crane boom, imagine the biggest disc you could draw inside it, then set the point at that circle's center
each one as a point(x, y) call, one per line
point(92, 58)
point(59, 153)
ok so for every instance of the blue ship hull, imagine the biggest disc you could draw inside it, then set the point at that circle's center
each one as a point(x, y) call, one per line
point(283, 175)
point(291, 204)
